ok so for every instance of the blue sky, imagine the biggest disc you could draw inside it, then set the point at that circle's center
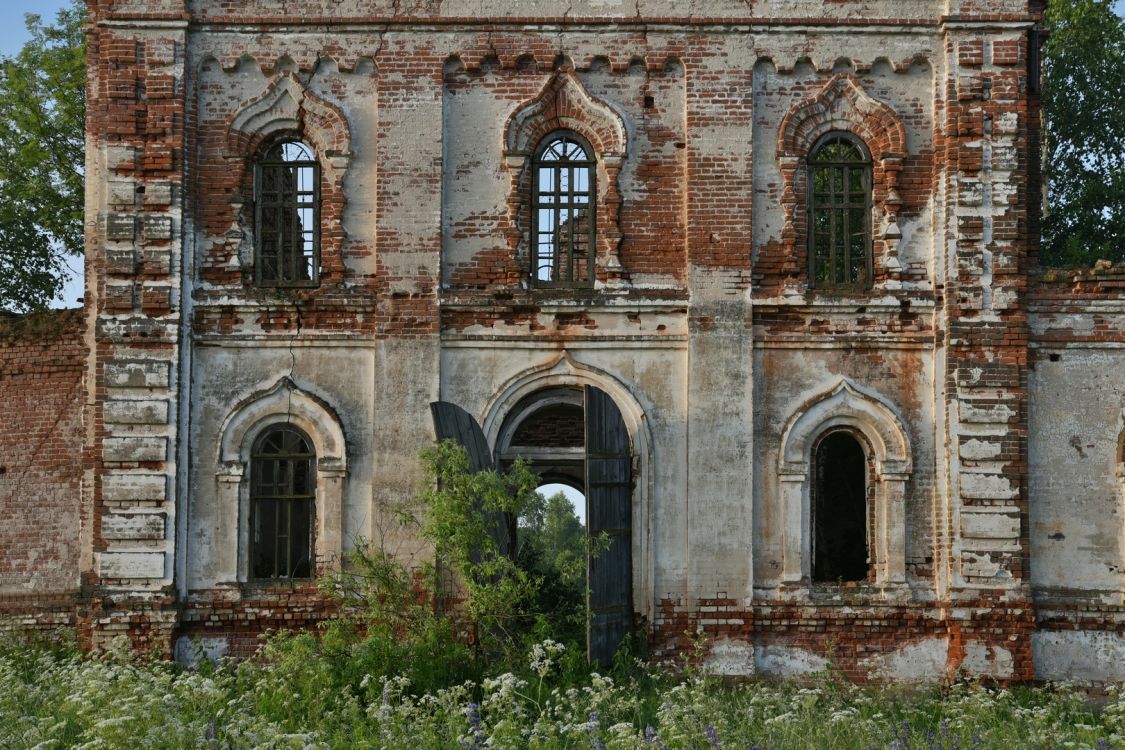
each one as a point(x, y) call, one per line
point(13, 34)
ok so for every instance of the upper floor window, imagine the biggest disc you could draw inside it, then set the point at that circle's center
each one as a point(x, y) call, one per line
point(282, 496)
point(287, 216)
point(840, 213)
point(563, 211)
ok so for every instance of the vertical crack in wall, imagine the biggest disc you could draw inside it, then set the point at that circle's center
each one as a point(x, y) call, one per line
point(293, 361)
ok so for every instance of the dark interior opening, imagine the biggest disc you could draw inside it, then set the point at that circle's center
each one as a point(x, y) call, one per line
point(840, 509)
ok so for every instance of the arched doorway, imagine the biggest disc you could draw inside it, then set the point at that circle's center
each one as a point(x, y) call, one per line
point(577, 437)
point(840, 509)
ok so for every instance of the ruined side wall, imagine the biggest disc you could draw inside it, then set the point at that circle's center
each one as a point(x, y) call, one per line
point(1076, 427)
point(42, 369)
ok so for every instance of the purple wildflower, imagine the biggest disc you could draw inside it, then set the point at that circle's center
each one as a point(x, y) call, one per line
point(713, 737)
point(595, 740)
point(472, 714)
point(652, 739)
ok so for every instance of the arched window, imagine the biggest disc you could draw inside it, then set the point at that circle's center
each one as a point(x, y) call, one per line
point(287, 216)
point(840, 213)
point(839, 513)
point(563, 211)
point(282, 495)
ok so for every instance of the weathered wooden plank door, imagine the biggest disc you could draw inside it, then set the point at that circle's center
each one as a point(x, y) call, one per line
point(451, 422)
point(609, 494)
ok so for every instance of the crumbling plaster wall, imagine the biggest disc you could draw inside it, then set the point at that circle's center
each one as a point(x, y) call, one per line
point(712, 352)
point(1077, 513)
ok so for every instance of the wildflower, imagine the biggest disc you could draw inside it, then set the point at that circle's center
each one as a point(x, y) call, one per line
point(652, 739)
point(542, 656)
point(713, 737)
point(595, 740)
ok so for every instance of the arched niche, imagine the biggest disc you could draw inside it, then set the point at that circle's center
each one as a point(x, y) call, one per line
point(846, 408)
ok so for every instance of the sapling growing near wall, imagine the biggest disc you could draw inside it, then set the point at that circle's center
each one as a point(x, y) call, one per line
point(486, 596)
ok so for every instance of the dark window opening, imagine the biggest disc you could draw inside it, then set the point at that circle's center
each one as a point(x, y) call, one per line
point(563, 212)
point(840, 214)
point(287, 216)
point(840, 509)
point(282, 497)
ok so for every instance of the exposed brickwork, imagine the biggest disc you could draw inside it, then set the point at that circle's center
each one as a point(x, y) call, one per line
point(42, 390)
point(702, 324)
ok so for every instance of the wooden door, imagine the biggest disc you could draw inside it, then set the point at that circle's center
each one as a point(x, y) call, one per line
point(609, 491)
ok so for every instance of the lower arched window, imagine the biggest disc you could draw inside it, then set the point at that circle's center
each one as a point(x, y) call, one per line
point(840, 513)
point(282, 497)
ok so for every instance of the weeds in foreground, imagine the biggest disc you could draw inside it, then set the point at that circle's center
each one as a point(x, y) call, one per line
point(296, 696)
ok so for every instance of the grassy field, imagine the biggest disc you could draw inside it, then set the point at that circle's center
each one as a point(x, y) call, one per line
point(309, 693)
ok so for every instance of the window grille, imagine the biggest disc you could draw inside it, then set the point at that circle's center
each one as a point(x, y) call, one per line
point(287, 216)
point(564, 212)
point(840, 214)
point(282, 497)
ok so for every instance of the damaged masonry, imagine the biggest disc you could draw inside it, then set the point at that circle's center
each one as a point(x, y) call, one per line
point(759, 279)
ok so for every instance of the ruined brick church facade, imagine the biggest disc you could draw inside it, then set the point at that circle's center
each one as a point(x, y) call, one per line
point(765, 269)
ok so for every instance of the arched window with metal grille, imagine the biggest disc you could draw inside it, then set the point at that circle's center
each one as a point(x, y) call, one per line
point(282, 505)
point(287, 216)
point(564, 170)
point(840, 213)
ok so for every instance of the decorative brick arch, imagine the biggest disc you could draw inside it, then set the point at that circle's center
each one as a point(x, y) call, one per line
point(288, 109)
point(283, 404)
point(565, 104)
point(843, 105)
point(875, 423)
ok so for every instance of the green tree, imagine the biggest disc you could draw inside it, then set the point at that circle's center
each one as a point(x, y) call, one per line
point(560, 541)
point(42, 120)
point(1084, 108)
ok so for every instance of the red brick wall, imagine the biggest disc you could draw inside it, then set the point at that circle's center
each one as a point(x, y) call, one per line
point(42, 361)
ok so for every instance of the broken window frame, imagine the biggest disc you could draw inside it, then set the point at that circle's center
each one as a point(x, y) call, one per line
point(291, 250)
point(284, 464)
point(840, 208)
point(566, 266)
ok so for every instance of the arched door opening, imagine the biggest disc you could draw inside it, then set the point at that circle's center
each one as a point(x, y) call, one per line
point(576, 437)
point(840, 509)
point(547, 429)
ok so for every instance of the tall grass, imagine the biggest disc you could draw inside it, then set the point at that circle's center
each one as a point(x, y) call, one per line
point(304, 693)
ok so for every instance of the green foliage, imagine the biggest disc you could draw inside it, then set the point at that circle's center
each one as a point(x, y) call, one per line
point(1084, 108)
point(42, 118)
point(52, 697)
point(553, 546)
point(473, 606)
point(461, 513)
